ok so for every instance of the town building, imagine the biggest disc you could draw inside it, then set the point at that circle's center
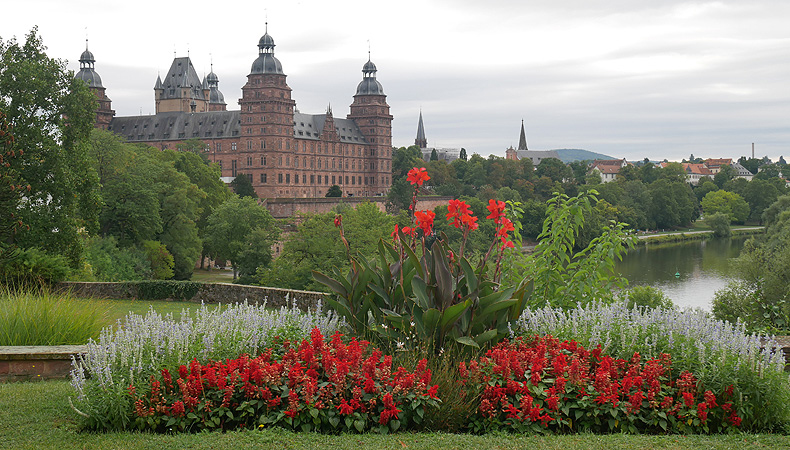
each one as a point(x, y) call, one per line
point(284, 153)
point(608, 169)
point(715, 164)
point(696, 171)
point(523, 152)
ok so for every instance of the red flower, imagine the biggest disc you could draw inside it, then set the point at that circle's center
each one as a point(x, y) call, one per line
point(497, 210)
point(460, 214)
point(425, 221)
point(338, 220)
point(418, 176)
point(345, 408)
point(178, 409)
point(433, 391)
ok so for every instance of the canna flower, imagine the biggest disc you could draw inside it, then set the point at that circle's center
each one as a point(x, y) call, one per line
point(460, 213)
point(338, 220)
point(418, 176)
point(497, 210)
point(425, 221)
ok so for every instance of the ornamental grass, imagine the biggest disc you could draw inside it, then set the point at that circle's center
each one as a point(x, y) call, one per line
point(39, 317)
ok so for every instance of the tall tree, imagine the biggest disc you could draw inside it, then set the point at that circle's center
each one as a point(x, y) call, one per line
point(52, 115)
point(242, 186)
point(242, 232)
point(10, 192)
point(434, 155)
point(462, 155)
point(554, 169)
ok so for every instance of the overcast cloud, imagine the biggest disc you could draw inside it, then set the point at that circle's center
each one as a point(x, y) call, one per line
point(628, 78)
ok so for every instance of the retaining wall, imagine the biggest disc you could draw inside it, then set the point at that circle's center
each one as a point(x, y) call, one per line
point(207, 293)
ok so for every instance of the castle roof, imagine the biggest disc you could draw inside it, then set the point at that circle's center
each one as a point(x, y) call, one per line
point(181, 74)
point(369, 85)
point(87, 72)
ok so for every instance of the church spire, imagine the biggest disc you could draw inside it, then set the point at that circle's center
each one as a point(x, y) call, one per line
point(421, 141)
point(522, 140)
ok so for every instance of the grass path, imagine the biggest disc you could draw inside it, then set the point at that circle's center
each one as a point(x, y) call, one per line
point(37, 416)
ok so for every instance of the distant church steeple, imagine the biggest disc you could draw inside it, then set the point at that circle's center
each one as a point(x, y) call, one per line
point(421, 141)
point(522, 140)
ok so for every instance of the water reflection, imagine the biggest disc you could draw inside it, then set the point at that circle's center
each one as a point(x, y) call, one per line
point(688, 272)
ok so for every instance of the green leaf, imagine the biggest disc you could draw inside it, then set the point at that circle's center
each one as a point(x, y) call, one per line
point(469, 274)
point(430, 320)
point(334, 421)
point(466, 340)
point(484, 337)
point(451, 314)
point(394, 424)
point(359, 425)
point(331, 283)
point(420, 290)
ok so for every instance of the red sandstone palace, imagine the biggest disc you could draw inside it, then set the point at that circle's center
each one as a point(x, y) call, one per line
point(285, 153)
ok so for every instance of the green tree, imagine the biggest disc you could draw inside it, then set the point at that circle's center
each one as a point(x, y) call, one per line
point(404, 159)
point(10, 192)
point(648, 173)
point(703, 189)
point(672, 204)
point(334, 191)
point(731, 204)
point(242, 232)
point(162, 262)
point(673, 172)
point(725, 174)
point(315, 246)
point(242, 186)
point(751, 164)
point(462, 155)
point(554, 169)
point(719, 223)
point(759, 194)
point(52, 116)
point(434, 155)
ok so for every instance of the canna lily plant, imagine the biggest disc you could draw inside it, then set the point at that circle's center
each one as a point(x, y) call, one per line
point(420, 291)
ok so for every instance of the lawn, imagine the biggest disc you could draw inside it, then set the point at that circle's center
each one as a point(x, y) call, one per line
point(212, 276)
point(118, 309)
point(38, 416)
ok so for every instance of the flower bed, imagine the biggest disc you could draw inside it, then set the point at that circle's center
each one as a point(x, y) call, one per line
point(719, 353)
point(141, 346)
point(542, 384)
point(319, 386)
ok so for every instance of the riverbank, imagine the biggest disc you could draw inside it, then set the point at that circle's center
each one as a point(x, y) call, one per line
point(692, 234)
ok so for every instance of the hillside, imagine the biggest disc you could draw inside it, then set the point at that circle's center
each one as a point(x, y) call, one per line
point(568, 155)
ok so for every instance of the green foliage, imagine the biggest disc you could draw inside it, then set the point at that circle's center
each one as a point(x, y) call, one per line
point(242, 186)
point(648, 297)
point(334, 191)
point(53, 115)
point(672, 204)
point(34, 267)
point(728, 203)
point(161, 260)
point(554, 169)
point(313, 246)
point(434, 155)
point(161, 290)
point(719, 223)
point(39, 317)
point(242, 232)
point(760, 297)
point(10, 192)
point(108, 262)
point(565, 277)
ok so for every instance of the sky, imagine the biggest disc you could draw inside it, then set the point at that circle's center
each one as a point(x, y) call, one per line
point(626, 78)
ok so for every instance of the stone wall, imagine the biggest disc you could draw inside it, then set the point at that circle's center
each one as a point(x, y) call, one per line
point(208, 293)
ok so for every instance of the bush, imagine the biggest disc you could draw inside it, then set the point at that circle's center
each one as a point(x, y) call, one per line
point(161, 260)
point(738, 303)
point(108, 262)
point(647, 296)
point(720, 224)
point(38, 317)
point(33, 267)
point(161, 290)
point(541, 384)
point(141, 346)
point(717, 353)
point(318, 385)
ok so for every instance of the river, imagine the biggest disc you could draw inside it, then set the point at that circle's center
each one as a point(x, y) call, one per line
point(688, 272)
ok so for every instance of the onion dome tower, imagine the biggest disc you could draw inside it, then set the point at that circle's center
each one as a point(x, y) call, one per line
point(216, 101)
point(372, 115)
point(267, 117)
point(87, 73)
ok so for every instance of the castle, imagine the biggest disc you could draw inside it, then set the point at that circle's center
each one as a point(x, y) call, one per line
point(283, 152)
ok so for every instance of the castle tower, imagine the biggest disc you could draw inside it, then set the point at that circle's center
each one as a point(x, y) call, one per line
point(420, 141)
point(181, 90)
point(216, 101)
point(267, 122)
point(87, 73)
point(371, 113)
